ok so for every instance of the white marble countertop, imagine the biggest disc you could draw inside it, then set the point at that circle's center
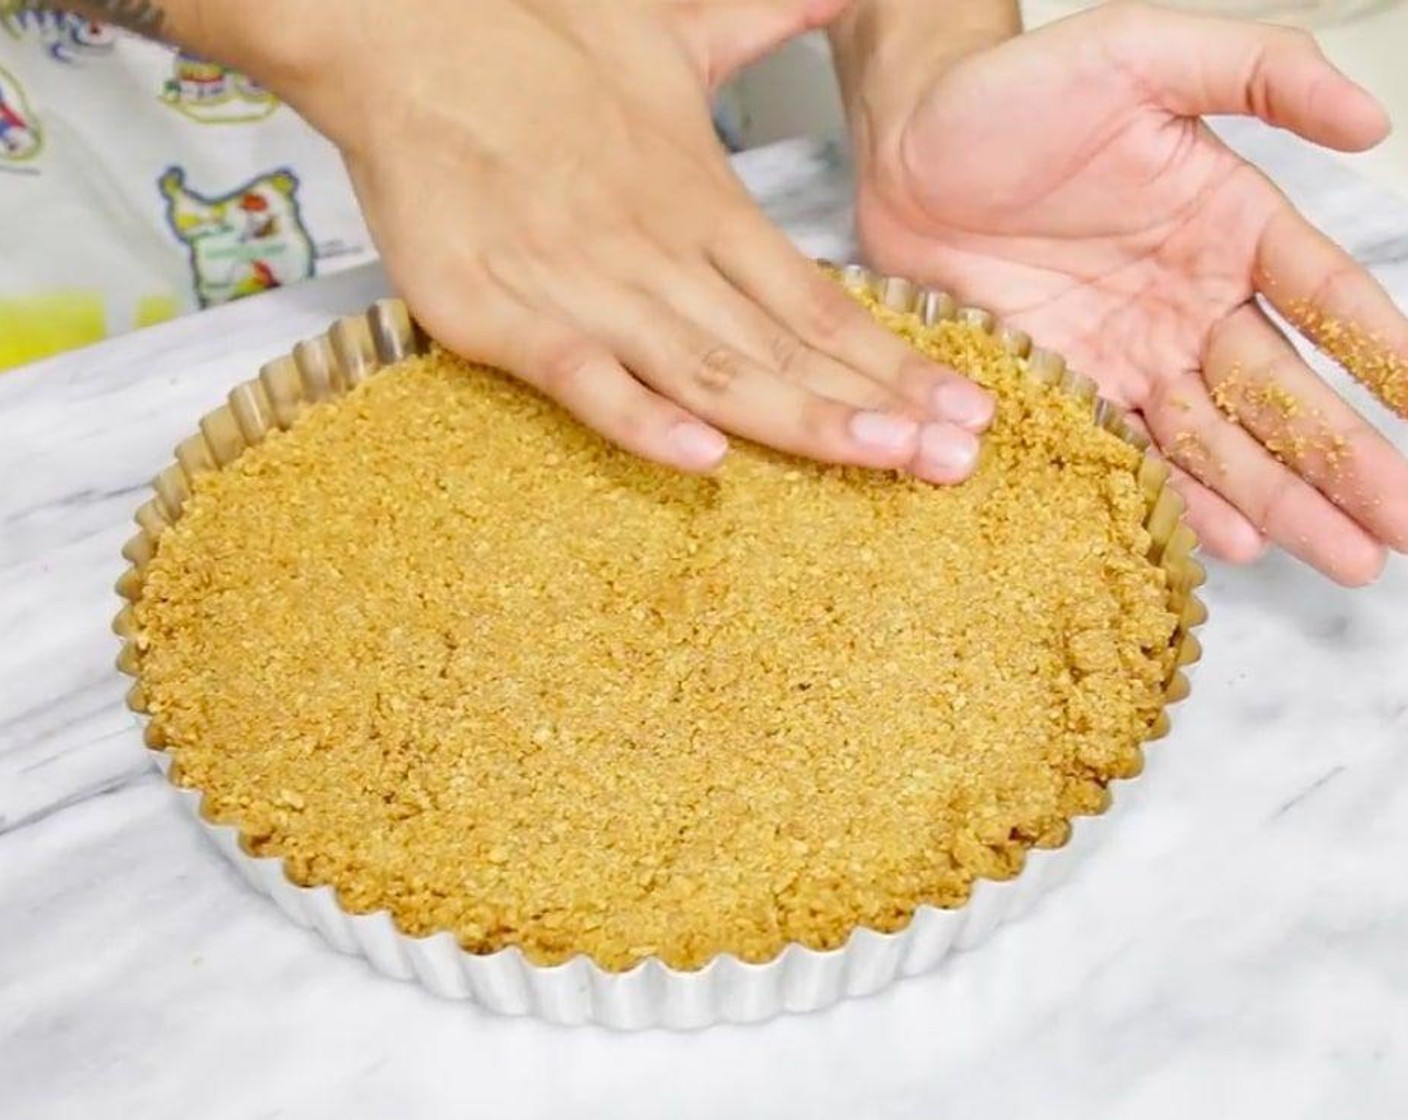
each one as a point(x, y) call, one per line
point(1239, 948)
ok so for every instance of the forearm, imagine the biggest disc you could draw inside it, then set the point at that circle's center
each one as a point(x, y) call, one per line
point(260, 37)
point(145, 17)
point(886, 41)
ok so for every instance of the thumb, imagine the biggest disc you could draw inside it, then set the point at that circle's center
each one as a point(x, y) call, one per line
point(1201, 65)
point(722, 36)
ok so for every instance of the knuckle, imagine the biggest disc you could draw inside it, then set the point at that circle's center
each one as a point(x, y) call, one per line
point(1280, 373)
point(565, 367)
point(1296, 39)
point(1336, 289)
point(826, 314)
point(820, 427)
point(718, 368)
point(635, 427)
point(918, 378)
point(437, 313)
point(437, 302)
point(878, 398)
point(1177, 394)
point(787, 354)
point(1273, 506)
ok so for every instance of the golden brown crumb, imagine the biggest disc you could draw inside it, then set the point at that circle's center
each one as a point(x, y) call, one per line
point(1238, 395)
point(1365, 356)
point(1191, 452)
point(1226, 393)
point(598, 707)
point(1298, 436)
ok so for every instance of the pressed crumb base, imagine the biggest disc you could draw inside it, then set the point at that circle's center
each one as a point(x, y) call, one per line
point(443, 648)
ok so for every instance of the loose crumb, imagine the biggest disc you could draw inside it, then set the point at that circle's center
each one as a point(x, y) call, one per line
point(1367, 357)
point(1298, 436)
point(1190, 451)
point(603, 708)
point(1226, 394)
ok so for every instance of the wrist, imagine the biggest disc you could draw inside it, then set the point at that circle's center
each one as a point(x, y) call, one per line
point(278, 43)
point(888, 52)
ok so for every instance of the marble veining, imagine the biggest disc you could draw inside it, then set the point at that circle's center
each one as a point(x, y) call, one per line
point(1236, 949)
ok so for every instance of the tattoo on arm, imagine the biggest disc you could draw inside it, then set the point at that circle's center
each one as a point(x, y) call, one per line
point(145, 17)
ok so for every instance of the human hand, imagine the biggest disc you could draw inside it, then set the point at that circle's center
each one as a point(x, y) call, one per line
point(1066, 180)
point(548, 194)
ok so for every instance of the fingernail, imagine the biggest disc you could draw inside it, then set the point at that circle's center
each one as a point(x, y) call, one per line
point(884, 431)
point(698, 444)
point(965, 404)
point(948, 453)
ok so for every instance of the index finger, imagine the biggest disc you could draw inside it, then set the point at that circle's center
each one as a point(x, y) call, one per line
point(762, 263)
point(1332, 300)
point(1201, 64)
point(1254, 373)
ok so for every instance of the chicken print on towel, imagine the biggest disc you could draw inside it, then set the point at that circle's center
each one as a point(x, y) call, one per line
point(243, 242)
point(20, 138)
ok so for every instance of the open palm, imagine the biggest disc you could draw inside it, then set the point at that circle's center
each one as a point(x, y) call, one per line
point(1066, 180)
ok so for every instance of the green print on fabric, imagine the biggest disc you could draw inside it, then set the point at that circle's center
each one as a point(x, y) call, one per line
point(244, 242)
